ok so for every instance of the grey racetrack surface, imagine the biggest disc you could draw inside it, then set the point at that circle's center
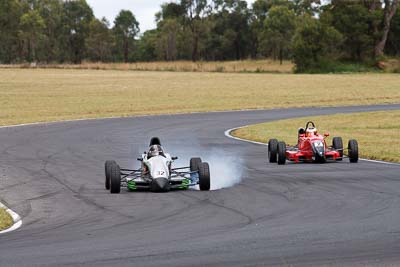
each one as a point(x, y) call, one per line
point(337, 214)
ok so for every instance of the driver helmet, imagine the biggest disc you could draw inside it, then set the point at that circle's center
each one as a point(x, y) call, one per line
point(155, 150)
point(311, 131)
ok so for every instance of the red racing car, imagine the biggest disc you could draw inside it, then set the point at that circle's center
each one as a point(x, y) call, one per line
point(311, 147)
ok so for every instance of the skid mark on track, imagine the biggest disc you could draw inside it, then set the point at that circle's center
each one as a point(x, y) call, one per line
point(249, 220)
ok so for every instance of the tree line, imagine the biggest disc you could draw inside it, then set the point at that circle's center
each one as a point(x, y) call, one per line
point(311, 33)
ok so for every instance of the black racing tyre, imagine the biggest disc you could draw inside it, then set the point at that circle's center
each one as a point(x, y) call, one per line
point(273, 150)
point(107, 167)
point(194, 164)
point(155, 141)
point(337, 144)
point(353, 151)
point(319, 159)
point(281, 153)
point(115, 179)
point(204, 176)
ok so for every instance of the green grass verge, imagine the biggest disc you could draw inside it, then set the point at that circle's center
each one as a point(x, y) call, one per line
point(376, 132)
point(42, 95)
point(5, 220)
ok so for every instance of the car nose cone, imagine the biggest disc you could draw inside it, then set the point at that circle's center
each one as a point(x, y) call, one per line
point(160, 185)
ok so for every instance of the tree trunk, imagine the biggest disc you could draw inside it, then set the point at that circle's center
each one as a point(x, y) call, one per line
point(390, 10)
point(126, 50)
point(33, 49)
point(195, 48)
point(372, 5)
point(195, 38)
point(29, 50)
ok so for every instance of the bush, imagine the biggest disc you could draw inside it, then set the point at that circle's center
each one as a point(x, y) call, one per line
point(315, 46)
point(342, 67)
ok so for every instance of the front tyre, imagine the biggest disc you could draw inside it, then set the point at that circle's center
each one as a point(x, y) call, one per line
point(107, 167)
point(115, 179)
point(194, 164)
point(204, 176)
point(281, 153)
point(337, 144)
point(353, 151)
point(273, 150)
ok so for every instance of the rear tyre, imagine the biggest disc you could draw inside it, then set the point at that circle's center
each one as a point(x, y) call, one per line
point(273, 150)
point(194, 164)
point(115, 179)
point(353, 151)
point(337, 144)
point(204, 176)
point(107, 167)
point(281, 153)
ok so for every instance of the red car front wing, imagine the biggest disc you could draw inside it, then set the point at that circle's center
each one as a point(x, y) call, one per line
point(293, 154)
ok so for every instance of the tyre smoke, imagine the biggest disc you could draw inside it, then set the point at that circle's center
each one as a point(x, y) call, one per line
point(225, 167)
point(225, 170)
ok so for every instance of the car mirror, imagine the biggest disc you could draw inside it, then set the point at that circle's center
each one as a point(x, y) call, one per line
point(174, 158)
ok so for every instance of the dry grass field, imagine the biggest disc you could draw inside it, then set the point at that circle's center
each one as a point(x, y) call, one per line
point(246, 66)
point(42, 95)
point(5, 220)
point(377, 132)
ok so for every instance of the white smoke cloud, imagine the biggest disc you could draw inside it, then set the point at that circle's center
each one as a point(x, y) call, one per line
point(225, 167)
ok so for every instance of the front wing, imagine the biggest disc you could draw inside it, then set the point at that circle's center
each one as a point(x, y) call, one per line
point(296, 155)
point(181, 178)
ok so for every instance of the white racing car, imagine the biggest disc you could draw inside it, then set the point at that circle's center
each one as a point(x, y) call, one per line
point(156, 173)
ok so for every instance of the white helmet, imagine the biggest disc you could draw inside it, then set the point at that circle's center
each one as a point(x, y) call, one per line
point(155, 150)
point(311, 131)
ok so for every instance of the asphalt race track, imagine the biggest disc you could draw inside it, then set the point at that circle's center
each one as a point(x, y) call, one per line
point(336, 214)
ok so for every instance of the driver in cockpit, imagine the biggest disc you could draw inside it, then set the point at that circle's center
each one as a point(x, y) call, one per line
point(155, 150)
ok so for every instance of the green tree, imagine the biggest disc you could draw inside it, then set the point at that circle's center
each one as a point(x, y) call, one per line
point(52, 13)
point(260, 12)
point(230, 30)
point(126, 28)
point(315, 45)
point(170, 11)
point(31, 25)
point(99, 41)
point(306, 7)
point(393, 42)
point(278, 32)
point(147, 46)
point(389, 11)
point(10, 13)
point(195, 12)
point(171, 29)
point(168, 38)
point(353, 21)
point(76, 19)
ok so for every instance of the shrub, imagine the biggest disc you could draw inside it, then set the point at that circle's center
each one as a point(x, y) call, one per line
point(315, 46)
